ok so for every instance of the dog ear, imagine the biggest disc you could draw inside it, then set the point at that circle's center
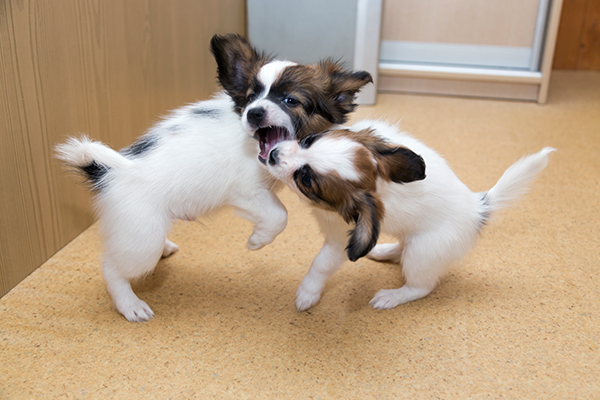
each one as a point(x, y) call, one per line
point(236, 61)
point(397, 164)
point(344, 85)
point(366, 210)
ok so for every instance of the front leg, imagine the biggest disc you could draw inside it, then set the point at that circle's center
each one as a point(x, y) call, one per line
point(330, 259)
point(269, 215)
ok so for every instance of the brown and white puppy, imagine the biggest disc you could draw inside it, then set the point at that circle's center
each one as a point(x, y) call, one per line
point(373, 177)
point(281, 100)
point(339, 170)
point(202, 157)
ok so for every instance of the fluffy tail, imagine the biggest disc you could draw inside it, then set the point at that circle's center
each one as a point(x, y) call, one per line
point(514, 182)
point(92, 159)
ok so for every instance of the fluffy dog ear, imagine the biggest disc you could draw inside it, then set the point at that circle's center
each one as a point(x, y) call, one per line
point(366, 210)
point(398, 164)
point(344, 85)
point(236, 61)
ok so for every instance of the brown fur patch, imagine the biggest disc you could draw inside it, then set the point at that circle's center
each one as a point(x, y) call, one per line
point(394, 163)
point(325, 92)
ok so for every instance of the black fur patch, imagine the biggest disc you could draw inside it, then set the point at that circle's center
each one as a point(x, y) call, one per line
point(141, 146)
point(237, 62)
point(94, 173)
point(206, 112)
point(412, 167)
point(310, 139)
point(357, 246)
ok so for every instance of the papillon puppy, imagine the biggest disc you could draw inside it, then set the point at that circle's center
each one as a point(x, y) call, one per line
point(371, 178)
point(203, 157)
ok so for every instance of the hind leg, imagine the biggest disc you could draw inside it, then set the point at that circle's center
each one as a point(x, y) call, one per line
point(124, 299)
point(386, 252)
point(132, 251)
point(390, 298)
point(425, 259)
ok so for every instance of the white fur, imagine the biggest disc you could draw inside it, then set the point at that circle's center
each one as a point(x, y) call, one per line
point(324, 156)
point(200, 163)
point(275, 116)
point(332, 154)
point(436, 220)
point(269, 73)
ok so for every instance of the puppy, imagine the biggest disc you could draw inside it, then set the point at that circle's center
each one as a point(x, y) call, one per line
point(373, 177)
point(280, 100)
point(202, 157)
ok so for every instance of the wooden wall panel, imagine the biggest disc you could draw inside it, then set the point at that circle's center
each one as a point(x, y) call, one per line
point(590, 39)
point(578, 42)
point(107, 68)
point(500, 23)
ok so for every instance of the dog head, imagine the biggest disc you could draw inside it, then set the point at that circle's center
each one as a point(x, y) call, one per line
point(338, 171)
point(281, 100)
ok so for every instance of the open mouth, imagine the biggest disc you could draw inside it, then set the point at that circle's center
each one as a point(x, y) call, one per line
point(268, 137)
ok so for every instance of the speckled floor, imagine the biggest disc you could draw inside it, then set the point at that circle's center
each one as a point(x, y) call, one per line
point(518, 318)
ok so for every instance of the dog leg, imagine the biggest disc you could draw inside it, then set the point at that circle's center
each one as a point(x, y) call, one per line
point(268, 214)
point(169, 249)
point(124, 300)
point(386, 252)
point(330, 259)
point(421, 272)
point(390, 298)
point(425, 259)
point(132, 248)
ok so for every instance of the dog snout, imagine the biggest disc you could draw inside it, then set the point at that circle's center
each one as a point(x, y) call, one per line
point(256, 115)
point(274, 157)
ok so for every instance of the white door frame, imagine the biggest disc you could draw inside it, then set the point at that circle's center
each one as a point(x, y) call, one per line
point(366, 45)
point(537, 76)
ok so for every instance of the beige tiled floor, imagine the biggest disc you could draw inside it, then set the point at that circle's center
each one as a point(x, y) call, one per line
point(519, 318)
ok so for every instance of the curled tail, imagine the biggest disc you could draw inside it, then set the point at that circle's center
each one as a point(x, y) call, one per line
point(92, 159)
point(514, 182)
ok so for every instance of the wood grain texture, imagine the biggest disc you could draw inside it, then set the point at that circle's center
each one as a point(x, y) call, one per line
point(590, 39)
point(569, 34)
point(578, 42)
point(105, 68)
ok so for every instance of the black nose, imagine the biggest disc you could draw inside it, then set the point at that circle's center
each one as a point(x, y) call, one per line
point(274, 157)
point(256, 115)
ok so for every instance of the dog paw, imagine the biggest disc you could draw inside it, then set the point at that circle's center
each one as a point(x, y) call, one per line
point(385, 299)
point(258, 241)
point(306, 299)
point(390, 298)
point(169, 249)
point(136, 311)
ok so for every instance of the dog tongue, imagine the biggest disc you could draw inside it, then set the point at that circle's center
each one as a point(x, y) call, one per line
point(271, 137)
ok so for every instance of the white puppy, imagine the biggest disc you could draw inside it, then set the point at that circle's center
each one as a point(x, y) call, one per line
point(373, 177)
point(202, 157)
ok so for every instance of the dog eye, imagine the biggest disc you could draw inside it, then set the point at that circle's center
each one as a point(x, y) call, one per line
point(290, 101)
point(306, 180)
point(307, 141)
